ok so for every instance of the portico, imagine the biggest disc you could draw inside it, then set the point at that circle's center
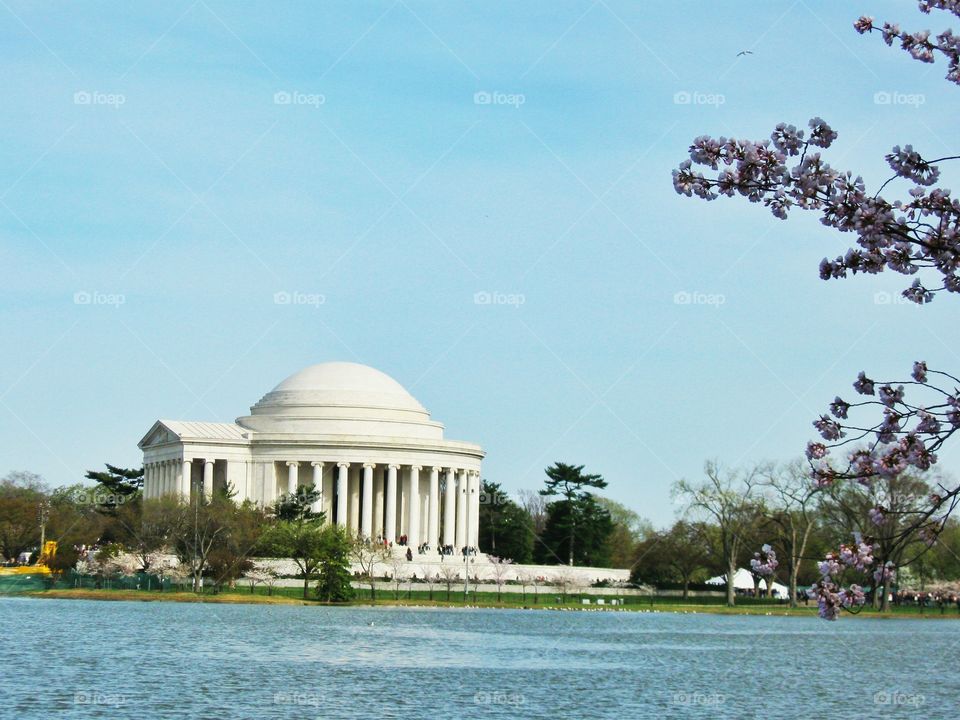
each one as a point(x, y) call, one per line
point(380, 463)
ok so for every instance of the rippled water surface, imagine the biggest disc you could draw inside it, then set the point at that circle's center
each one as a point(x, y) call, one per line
point(77, 659)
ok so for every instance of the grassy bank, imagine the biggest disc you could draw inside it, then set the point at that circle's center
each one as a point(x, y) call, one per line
point(293, 596)
point(154, 596)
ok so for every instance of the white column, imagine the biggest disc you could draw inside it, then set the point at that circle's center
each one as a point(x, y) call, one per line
point(450, 509)
point(293, 477)
point(413, 508)
point(424, 505)
point(378, 498)
point(474, 509)
point(317, 506)
point(390, 525)
point(425, 511)
point(208, 479)
point(229, 482)
point(342, 474)
point(185, 480)
point(461, 509)
point(433, 517)
point(353, 517)
point(167, 473)
point(366, 503)
point(403, 497)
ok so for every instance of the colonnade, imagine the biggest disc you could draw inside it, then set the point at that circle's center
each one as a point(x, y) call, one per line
point(438, 506)
point(174, 477)
point(433, 505)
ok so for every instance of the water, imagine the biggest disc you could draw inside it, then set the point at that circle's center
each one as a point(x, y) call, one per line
point(87, 659)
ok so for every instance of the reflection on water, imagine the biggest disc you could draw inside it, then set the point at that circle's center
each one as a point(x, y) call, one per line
point(72, 658)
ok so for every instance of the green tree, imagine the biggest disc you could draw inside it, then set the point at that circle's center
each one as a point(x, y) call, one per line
point(230, 558)
point(505, 527)
point(22, 497)
point(678, 555)
point(299, 534)
point(73, 519)
point(726, 498)
point(118, 485)
point(302, 542)
point(594, 527)
point(298, 506)
point(629, 529)
point(333, 583)
point(568, 482)
point(63, 561)
point(944, 559)
point(212, 530)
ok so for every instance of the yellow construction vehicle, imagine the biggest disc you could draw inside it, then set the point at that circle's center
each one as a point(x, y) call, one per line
point(40, 568)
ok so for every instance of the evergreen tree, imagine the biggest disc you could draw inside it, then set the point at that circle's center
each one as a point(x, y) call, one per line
point(505, 528)
point(298, 506)
point(119, 485)
point(568, 516)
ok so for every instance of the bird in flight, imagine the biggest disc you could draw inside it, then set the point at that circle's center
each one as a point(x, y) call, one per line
point(745, 52)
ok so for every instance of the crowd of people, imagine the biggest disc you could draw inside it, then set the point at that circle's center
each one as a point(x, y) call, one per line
point(425, 549)
point(938, 598)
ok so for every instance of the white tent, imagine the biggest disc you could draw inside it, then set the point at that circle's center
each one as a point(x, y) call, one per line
point(743, 580)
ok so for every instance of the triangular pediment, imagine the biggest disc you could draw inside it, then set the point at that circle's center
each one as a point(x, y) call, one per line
point(159, 434)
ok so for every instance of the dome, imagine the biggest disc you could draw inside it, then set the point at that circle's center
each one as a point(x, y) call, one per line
point(346, 383)
point(341, 398)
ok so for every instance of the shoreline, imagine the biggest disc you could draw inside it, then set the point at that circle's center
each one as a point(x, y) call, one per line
point(239, 598)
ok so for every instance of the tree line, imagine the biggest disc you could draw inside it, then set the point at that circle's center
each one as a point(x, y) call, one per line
point(109, 527)
point(563, 523)
point(729, 515)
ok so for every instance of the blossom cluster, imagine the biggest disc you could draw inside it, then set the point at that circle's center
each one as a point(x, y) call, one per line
point(765, 562)
point(907, 435)
point(831, 598)
point(919, 44)
point(905, 236)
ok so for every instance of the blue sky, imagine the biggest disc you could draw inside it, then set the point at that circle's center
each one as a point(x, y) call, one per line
point(145, 158)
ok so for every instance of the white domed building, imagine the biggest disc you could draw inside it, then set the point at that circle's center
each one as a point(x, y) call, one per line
point(382, 466)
